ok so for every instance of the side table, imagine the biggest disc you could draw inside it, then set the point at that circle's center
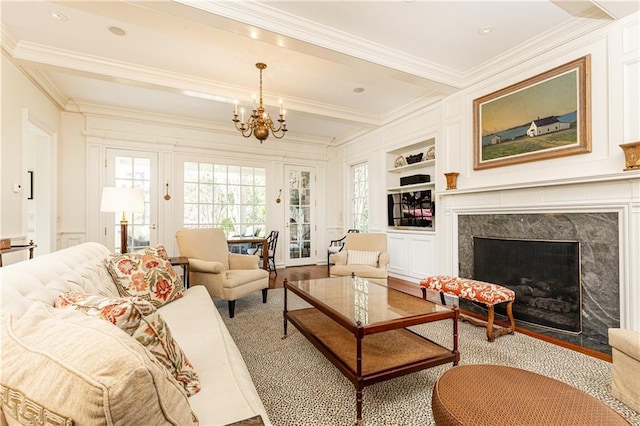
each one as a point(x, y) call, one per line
point(184, 262)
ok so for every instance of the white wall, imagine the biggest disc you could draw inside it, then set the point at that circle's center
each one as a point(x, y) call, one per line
point(21, 100)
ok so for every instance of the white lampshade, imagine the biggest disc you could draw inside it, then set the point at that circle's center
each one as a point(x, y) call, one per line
point(122, 200)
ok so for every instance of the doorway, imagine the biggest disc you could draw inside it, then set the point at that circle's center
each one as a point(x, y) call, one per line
point(300, 226)
point(133, 169)
point(39, 187)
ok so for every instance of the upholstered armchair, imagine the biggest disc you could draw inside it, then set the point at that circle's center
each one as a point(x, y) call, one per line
point(625, 374)
point(226, 275)
point(365, 255)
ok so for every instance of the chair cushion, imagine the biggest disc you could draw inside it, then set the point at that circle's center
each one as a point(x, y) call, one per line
point(139, 319)
point(97, 371)
point(360, 257)
point(147, 276)
point(239, 277)
point(466, 288)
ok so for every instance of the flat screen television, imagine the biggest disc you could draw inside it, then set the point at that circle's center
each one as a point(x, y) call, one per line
point(411, 209)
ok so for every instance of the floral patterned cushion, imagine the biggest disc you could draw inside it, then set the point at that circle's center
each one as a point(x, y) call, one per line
point(158, 250)
point(466, 288)
point(145, 275)
point(138, 318)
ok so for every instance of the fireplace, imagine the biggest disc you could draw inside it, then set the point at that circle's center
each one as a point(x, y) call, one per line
point(597, 238)
point(545, 275)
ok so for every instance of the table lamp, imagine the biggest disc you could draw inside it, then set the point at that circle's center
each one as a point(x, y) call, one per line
point(116, 200)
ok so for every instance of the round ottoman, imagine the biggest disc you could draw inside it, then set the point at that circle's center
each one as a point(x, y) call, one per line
point(500, 395)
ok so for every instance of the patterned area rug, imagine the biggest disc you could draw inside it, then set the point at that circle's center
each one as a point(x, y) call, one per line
point(298, 386)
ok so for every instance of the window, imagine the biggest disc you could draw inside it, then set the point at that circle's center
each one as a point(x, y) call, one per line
point(224, 196)
point(360, 200)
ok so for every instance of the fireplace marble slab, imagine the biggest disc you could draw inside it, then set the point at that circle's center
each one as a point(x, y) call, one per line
point(599, 245)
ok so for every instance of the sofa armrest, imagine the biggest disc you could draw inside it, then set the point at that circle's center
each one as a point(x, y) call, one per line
point(383, 260)
point(626, 341)
point(243, 261)
point(208, 266)
point(340, 258)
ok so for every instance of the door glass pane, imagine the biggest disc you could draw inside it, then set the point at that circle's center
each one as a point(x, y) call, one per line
point(299, 215)
point(134, 172)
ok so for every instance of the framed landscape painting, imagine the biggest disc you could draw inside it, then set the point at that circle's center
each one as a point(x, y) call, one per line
point(546, 116)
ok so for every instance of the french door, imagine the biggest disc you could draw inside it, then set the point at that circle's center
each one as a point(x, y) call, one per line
point(133, 169)
point(300, 227)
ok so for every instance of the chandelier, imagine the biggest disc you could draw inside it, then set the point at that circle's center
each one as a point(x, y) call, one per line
point(260, 122)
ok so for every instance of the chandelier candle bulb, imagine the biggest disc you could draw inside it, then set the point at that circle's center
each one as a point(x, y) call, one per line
point(235, 108)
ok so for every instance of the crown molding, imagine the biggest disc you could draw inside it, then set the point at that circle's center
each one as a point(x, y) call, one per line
point(548, 41)
point(99, 110)
point(8, 40)
point(261, 15)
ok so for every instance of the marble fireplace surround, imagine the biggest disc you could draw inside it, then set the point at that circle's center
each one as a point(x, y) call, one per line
point(597, 234)
point(603, 214)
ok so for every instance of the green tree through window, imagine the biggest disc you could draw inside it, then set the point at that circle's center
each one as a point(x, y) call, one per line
point(225, 196)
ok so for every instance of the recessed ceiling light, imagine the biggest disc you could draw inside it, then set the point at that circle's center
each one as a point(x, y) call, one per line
point(484, 30)
point(359, 89)
point(57, 15)
point(117, 31)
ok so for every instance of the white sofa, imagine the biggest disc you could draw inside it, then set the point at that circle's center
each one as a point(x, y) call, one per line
point(227, 393)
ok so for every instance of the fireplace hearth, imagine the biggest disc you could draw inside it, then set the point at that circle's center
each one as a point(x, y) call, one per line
point(597, 238)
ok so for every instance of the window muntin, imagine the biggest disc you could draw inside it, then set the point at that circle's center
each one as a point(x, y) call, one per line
point(225, 196)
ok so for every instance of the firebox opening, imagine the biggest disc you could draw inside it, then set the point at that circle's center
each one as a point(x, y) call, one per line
point(545, 275)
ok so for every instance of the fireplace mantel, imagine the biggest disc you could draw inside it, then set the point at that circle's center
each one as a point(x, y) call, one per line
point(615, 193)
point(633, 176)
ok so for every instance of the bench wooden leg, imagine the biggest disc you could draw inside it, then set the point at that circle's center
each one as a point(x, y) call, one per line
point(490, 314)
point(512, 322)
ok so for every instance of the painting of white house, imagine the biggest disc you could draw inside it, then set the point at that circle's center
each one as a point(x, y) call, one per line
point(533, 119)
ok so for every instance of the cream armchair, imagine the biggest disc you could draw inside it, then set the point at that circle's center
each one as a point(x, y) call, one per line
point(365, 255)
point(226, 275)
point(625, 374)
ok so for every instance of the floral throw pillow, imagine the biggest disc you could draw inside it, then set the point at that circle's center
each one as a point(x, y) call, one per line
point(139, 319)
point(145, 275)
point(158, 250)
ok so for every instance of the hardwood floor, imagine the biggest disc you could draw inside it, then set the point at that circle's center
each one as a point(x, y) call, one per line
point(315, 271)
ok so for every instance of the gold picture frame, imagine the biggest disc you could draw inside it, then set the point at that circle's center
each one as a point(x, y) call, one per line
point(545, 116)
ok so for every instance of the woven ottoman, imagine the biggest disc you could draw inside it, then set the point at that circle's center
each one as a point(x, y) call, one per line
point(498, 395)
point(488, 294)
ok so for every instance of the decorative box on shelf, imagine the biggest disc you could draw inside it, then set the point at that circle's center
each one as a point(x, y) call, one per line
point(5, 243)
point(414, 179)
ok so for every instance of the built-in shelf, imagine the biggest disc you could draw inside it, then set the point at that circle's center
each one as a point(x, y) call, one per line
point(414, 187)
point(413, 166)
point(410, 206)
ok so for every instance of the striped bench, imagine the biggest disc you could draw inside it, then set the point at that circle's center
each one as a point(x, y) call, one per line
point(476, 291)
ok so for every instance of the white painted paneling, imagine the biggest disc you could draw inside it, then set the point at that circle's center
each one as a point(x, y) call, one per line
point(632, 101)
point(423, 255)
point(397, 249)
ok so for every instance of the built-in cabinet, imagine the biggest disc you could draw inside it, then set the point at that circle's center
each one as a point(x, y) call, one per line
point(411, 225)
point(411, 186)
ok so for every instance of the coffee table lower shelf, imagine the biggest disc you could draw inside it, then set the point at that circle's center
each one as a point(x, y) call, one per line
point(384, 355)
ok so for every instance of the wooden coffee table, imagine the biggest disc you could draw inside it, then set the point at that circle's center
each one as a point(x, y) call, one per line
point(361, 327)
